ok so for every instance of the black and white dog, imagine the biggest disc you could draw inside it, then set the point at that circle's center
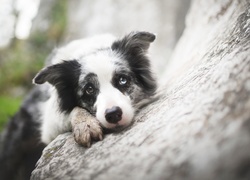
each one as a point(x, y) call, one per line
point(109, 79)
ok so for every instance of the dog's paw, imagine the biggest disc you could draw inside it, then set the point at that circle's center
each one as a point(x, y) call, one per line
point(84, 132)
point(85, 127)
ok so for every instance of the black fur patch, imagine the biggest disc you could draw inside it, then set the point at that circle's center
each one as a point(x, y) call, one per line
point(87, 100)
point(64, 77)
point(133, 48)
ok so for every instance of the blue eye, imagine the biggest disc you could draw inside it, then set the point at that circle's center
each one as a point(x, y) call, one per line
point(123, 81)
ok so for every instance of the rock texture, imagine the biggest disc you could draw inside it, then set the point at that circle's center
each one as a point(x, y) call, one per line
point(198, 129)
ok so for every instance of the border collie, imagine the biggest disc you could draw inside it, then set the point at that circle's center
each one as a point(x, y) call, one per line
point(95, 84)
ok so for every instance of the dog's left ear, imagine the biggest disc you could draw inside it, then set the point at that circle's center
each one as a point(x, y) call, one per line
point(135, 42)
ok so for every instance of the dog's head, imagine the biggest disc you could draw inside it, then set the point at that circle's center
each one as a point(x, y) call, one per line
point(111, 83)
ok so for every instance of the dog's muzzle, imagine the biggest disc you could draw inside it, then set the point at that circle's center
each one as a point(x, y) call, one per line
point(113, 115)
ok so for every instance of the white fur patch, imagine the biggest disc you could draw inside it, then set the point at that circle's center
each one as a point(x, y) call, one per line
point(110, 97)
point(54, 122)
point(78, 48)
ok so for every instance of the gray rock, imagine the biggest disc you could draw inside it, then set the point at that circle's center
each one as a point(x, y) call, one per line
point(198, 129)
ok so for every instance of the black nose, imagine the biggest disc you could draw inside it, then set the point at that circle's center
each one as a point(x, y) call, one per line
point(113, 115)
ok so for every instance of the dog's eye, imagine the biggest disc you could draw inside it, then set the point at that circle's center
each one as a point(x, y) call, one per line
point(90, 90)
point(123, 81)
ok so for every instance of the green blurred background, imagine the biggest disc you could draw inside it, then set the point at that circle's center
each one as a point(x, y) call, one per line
point(22, 59)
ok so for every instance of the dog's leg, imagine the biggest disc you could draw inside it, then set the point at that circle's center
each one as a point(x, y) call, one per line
point(85, 127)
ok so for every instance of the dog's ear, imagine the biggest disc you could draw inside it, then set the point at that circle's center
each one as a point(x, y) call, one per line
point(58, 74)
point(135, 42)
point(133, 48)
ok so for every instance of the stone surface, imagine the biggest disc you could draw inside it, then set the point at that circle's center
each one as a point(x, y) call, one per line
point(198, 129)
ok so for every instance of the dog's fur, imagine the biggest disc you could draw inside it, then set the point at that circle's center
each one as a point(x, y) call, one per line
point(108, 78)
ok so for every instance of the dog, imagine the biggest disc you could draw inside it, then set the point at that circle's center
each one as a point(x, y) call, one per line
point(96, 83)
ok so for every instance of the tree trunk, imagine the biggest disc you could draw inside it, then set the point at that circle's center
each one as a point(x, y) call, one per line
point(198, 129)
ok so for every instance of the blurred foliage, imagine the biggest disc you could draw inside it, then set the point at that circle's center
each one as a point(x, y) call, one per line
point(9, 106)
point(24, 58)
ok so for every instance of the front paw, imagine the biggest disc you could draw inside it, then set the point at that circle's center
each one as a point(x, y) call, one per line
point(85, 127)
point(84, 132)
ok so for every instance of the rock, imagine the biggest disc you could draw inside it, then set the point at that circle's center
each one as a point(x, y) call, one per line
point(198, 129)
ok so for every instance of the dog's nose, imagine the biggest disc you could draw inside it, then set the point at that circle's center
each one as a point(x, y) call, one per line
point(113, 115)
